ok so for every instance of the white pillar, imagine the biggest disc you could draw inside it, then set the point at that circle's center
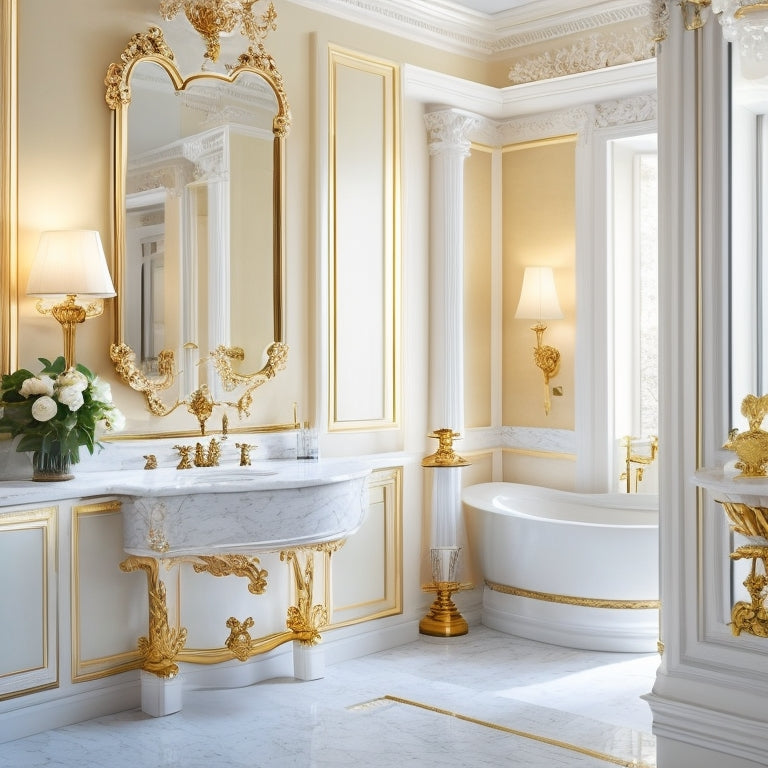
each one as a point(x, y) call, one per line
point(449, 145)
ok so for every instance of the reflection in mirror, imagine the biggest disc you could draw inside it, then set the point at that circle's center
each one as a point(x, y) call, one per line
point(198, 237)
point(749, 236)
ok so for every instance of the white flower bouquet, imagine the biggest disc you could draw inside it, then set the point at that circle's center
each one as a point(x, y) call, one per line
point(58, 410)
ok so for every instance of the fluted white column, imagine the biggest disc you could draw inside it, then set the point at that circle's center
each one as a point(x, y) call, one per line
point(449, 145)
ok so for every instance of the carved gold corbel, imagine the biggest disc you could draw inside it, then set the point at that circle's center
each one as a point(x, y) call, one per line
point(162, 645)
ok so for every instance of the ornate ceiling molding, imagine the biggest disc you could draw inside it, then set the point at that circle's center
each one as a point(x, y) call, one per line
point(447, 26)
point(586, 54)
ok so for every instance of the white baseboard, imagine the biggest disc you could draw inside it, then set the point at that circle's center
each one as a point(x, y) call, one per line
point(71, 708)
point(711, 738)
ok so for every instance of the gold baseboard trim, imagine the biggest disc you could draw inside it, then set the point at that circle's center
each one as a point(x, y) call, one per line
point(612, 759)
point(587, 602)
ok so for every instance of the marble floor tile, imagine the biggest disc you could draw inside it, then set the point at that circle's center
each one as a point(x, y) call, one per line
point(486, 699)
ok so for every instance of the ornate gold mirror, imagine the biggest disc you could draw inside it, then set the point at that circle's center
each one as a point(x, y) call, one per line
point(198, 211)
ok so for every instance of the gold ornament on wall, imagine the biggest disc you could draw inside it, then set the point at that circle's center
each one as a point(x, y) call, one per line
point(213, 18)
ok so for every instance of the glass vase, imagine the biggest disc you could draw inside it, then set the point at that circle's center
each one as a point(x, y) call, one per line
point(51, 465)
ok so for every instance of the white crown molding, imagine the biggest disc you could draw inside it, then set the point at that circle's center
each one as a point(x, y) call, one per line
point(453, 28)
point(603, 85)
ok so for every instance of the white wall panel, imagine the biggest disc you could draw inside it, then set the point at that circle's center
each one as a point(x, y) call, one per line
point(28, 637)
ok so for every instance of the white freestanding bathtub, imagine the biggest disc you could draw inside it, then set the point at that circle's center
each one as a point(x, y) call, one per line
point(579, 570)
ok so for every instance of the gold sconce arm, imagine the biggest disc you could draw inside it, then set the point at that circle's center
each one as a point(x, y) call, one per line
point(547, 359)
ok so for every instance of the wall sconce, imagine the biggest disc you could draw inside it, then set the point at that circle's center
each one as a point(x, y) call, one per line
point(70, 264)
point(744, 23)
point(538, 301)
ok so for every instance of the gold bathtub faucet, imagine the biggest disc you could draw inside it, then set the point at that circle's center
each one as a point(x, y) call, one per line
point(636, 458)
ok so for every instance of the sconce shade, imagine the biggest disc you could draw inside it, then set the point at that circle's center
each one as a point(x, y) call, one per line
point(70, 262)
point(538, 298)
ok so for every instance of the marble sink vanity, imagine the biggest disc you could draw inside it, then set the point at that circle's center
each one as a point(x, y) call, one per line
point(218, 520)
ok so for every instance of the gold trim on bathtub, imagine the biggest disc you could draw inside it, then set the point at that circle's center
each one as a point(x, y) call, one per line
point(588, 602)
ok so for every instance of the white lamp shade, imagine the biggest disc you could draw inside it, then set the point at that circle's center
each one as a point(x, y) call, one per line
point(70, 261)
point(538, 298)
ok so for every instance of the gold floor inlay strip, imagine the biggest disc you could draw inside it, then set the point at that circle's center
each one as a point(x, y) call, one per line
point(612, 759)
point(589, 602)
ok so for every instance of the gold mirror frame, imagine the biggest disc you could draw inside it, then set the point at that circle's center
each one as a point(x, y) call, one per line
point(8, 185)
point(150, 46)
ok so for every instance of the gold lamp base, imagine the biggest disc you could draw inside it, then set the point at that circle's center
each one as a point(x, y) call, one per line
point(444, 619)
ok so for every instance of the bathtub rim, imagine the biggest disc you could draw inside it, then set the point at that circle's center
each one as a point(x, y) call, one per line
point(482, 497)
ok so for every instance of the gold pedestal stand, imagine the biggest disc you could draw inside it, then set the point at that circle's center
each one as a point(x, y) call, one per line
point(444, 619)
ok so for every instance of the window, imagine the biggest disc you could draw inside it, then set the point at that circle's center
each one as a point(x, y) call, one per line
point(633, 305)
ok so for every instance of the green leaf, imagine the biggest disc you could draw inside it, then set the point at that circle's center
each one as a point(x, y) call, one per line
point(53, 368)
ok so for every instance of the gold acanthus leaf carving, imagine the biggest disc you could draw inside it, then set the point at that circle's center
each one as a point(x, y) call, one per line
point(234, 565)
point(149, 43)
point(163, 643)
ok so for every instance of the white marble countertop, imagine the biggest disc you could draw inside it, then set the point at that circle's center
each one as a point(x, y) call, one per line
point(725, 485)
point(166, 481)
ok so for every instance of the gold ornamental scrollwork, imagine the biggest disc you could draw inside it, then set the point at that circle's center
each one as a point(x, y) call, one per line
point(124, 360)
point(277, 354)
point(149, 43)
point(242, 566)
point(163, 643)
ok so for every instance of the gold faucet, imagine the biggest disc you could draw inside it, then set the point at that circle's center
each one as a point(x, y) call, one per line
point(209, 457)
point(635, 458)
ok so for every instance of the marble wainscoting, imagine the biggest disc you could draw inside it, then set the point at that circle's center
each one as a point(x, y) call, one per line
point(485, 699)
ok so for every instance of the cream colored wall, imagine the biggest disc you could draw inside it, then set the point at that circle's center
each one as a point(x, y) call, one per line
point(538, 200)
point(478, 192)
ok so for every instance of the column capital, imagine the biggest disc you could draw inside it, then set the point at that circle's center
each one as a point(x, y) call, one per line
point(449, 130)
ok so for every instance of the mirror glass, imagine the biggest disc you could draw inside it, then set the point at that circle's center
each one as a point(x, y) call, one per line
point(198, 225)
point(198, 238)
